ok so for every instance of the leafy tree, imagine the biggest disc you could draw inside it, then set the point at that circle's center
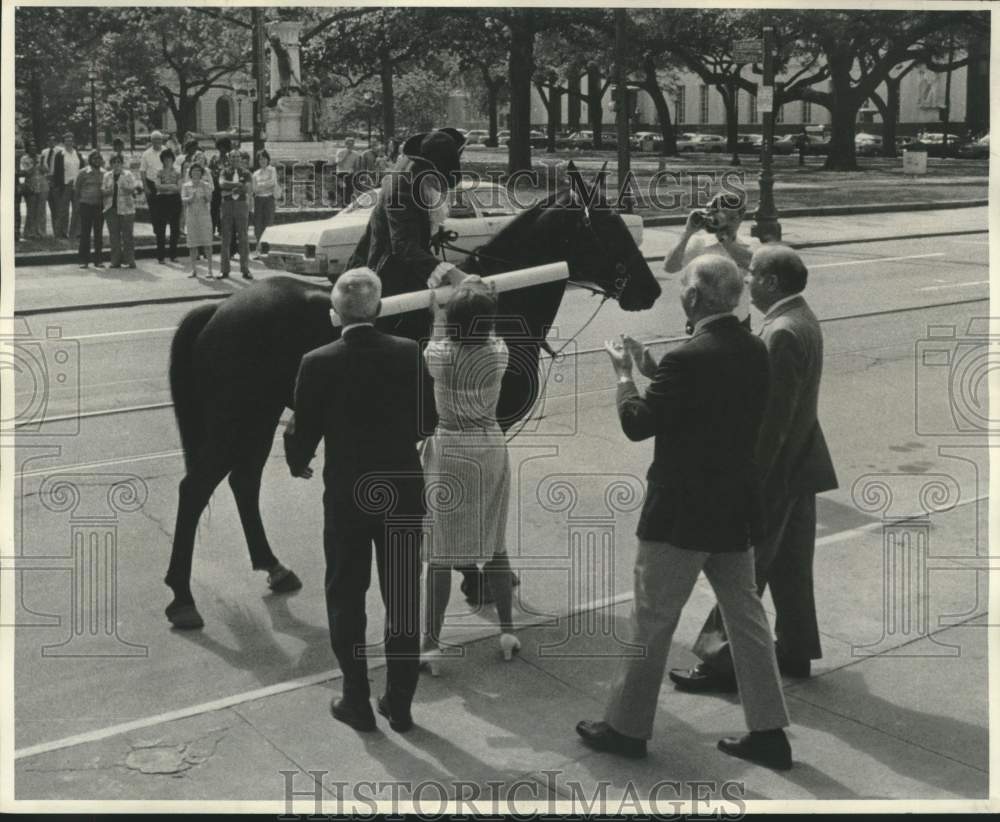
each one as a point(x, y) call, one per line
point(859, 51)
point(46, 38)
point(372, 43)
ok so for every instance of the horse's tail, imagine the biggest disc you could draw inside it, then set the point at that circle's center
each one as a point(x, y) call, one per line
point(183, 383)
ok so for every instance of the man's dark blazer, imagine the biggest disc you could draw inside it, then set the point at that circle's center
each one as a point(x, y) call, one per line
point(704, 406)
point(371, 397)
point(396, 244)
point(791, 450)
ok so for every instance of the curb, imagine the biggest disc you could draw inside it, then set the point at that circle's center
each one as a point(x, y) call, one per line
point(148, 252)
point(843, 211)
point(70, 256)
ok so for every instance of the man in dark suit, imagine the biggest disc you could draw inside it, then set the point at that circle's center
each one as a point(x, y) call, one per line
point(795, 465)
point(370, 396)
point(704, 406)
point(396, 245)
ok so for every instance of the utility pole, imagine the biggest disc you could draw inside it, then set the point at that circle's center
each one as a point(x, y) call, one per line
point(257, 18)
point(767, 228)
point(621, 109)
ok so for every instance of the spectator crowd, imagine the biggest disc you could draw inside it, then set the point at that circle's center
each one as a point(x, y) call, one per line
point(188, 196)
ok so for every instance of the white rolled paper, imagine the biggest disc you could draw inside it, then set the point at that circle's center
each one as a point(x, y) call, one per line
point(511, 281)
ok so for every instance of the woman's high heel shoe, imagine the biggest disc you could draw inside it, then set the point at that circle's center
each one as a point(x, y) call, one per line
point(509, 644)
point(430, 661)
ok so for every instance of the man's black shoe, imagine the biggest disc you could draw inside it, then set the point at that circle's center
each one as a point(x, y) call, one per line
point(602, 737)
point(703, 680)
point(795, 668)
point(767, 748)
point(399, 721)
point(360, 717)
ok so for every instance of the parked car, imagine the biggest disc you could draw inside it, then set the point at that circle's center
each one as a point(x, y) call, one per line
point(322, 247)
point(976, 149)
point(935, 146)
point(640, 138)
point(700, 142)
point(476, 136)
point(867, 145)
point(815, 143)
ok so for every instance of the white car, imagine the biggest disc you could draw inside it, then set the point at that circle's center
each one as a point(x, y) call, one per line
point(323, 247)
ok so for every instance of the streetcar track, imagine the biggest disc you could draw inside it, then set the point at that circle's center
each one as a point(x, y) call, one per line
point(108, 412)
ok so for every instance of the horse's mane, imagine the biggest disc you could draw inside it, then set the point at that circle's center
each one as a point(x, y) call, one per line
point(514, 241)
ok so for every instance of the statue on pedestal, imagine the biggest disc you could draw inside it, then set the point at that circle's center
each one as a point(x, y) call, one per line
point(285, 78)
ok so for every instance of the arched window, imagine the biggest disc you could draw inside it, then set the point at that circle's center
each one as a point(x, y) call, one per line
point(223, 113)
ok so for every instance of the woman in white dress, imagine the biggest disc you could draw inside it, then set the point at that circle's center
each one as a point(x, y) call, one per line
point(466, 465)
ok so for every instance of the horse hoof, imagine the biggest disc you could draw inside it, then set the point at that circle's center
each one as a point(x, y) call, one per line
point(283, 580)
point(184, 616)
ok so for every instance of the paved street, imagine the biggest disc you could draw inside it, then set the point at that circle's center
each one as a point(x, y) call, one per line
point(898, 707)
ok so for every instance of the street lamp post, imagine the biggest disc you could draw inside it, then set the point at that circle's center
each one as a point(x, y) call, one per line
point(625, 200)
point(767, 228)
point(370, 102)
point(92, 76)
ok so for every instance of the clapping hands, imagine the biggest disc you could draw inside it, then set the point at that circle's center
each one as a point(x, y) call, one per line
point(640, 355)
point(621, 359)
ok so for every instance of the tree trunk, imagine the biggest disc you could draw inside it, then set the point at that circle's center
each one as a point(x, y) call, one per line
point(388, 98)
point(520, 67)
point(573, 106)
point(492, 105)
point(843, 115)
point(38, 124)
point(651, 86)
point(595, 111)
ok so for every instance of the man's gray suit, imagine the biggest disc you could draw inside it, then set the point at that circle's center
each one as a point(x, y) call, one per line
point(795, 465)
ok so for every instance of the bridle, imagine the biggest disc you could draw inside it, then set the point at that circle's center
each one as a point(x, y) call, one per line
point(444, 240)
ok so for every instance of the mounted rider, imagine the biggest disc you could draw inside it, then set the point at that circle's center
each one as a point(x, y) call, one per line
point(412, 205)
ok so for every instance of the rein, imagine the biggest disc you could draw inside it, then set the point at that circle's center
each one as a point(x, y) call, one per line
point(444, 240)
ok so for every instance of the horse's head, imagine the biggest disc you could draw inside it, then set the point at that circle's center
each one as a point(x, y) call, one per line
point(598, 246)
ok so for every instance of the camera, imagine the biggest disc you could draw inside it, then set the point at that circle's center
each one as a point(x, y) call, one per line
point(952, 375)
point(707, 219)
point(46, 381)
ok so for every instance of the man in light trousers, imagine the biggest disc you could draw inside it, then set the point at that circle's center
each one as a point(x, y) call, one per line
point(702, 508)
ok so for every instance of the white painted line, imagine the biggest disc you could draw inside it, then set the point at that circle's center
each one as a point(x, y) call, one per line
point(374, 664)
point(180, 713)
point(122, 333)
point(953, 285)
point(278, 688)
point(868, 527)
point(879, 260)
point(83, 466)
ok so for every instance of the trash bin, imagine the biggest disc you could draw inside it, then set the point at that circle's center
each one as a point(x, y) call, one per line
point(647, 145)
point(914, 161)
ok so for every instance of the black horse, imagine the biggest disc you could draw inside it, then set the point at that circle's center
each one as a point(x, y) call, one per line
point(233, 364)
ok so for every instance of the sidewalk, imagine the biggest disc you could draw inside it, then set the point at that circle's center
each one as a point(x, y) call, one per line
point(50, 289)
point(909, 723)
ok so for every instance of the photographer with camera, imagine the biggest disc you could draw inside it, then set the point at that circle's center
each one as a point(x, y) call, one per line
point(720, 221)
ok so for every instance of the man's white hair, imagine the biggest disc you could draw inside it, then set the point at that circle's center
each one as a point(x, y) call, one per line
point(356, 294)
point(717, 279)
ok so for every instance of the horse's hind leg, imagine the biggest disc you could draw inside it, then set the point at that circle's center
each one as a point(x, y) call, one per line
point(245, 479)
point(194, 493)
